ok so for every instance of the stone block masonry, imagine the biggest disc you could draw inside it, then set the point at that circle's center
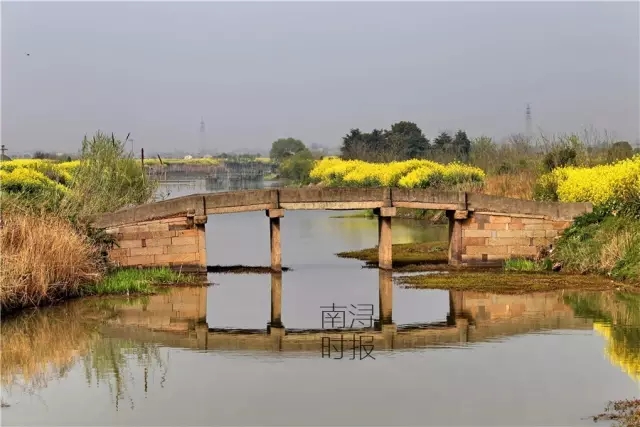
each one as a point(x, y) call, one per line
point(490, 238)
point(178, 243)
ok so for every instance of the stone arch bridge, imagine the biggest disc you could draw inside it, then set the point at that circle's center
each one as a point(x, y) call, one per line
point(483, 230)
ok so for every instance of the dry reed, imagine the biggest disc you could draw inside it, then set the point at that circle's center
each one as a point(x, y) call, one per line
point(42, 259)
point(517, 186)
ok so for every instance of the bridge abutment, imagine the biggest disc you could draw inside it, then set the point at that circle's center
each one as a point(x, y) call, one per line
point(178, 243)
point(490, 238)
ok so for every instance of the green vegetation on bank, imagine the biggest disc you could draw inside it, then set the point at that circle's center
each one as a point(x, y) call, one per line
point(523, 264)
point(600, 242)
point(138, 281)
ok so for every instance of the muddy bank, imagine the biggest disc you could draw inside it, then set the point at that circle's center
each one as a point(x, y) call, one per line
point(242, 269)
point(407, 257)
point(498, 281)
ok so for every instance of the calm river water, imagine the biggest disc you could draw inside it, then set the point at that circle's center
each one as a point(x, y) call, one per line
point(540, 359)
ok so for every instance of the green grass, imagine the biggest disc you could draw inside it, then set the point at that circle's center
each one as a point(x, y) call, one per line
point(139, 281)
point(599, 242)
point(522, 264)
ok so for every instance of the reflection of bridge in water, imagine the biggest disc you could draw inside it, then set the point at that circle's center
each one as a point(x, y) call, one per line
point(178, 319)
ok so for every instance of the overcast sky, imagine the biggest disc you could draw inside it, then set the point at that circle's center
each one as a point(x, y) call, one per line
point(260, 71)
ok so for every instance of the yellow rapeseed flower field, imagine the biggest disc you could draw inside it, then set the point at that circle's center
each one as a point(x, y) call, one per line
point(27, 179)
point(36, 174)
point(413, 173)
point(603, 185)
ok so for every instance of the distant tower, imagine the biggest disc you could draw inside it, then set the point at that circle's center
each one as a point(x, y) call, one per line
point(528, 122)
point(203, 138)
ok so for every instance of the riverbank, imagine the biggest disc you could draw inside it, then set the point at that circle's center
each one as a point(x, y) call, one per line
point(599, 244)
point(129, 282)
point(498, 281)
point(50, 250)
point(432, 257)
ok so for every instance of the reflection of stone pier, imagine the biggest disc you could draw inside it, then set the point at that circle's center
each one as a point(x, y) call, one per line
point(275, 324)
point(179, 319)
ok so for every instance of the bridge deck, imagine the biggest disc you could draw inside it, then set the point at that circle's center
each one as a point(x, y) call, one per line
point(315, 198)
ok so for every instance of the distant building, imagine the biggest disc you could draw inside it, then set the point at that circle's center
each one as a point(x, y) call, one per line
point(188, 157)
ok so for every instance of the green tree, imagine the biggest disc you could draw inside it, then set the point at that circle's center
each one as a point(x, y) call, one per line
point(414, 144)
point(404, 141)
point(297, 167)
point(461, 146)
point(619, 151)
point(285, 147)
point(484, 153)
point(443, 142)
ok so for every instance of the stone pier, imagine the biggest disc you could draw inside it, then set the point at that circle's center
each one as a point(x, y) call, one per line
point(385, 241)
point(274, 237)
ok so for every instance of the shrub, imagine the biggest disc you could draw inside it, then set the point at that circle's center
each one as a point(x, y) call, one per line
point(619, 151)
point(297, 167)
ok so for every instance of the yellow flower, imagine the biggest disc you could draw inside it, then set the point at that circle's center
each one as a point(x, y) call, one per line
point(409, 174)
point(600, 185)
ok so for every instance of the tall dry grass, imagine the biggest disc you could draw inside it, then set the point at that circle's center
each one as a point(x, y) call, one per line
point(43, 259)
point(518, 186)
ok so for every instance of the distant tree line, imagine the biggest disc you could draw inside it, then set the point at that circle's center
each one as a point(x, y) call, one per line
point(405, 140)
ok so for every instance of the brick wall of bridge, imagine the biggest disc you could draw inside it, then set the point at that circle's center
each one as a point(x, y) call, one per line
point(173, 242)
point(490, 238)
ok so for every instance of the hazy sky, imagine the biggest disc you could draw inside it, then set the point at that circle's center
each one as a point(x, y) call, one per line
point(260, 71)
